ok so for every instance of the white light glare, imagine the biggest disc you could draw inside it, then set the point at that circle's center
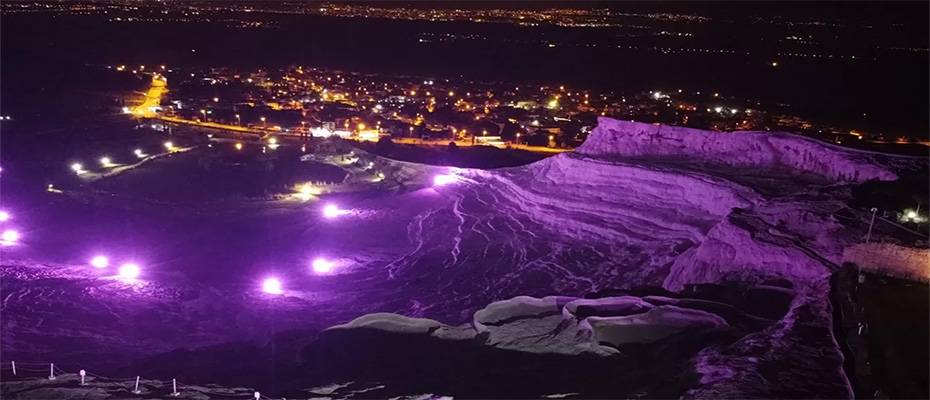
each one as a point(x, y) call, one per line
point(129, 271)
point(272, 286)
point(322, 266)
point(99, 262)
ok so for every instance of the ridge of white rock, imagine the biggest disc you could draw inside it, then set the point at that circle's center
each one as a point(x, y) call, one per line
point(657, 323)
point(614, 137)
point(391, 323)
point(589, 197)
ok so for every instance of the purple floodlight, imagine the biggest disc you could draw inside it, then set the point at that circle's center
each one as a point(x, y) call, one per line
point(444, 179)
point(100, 261)
point(332, 211)
point(129, 271)
point(322, 266)
point(9, 237)
point(272, 286)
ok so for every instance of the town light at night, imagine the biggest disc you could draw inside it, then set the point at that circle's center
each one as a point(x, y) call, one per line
point(238, 146)
point(169, 146)
point(4, 216)
point(272, 286)
point(100, 262)
point(129, 271)
point(9, 237)
point(322, 266)
point(138, 153)
point(105, 161)
point(77, 168)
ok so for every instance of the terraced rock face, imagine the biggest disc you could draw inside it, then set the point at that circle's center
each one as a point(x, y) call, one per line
point(637, 206)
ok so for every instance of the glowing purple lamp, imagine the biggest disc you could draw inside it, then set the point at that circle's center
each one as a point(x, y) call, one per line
point(129, 271)
point(9, 237)
point(100, 262)
point(332, 211)
point(272, 286)
point(444, 179)
point(322, 266)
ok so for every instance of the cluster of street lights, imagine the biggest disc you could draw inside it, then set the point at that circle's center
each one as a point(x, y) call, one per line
point(107, 162)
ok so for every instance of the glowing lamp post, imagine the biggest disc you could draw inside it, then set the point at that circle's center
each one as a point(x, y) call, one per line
point(272, 286)
point(100, 262)
point(138, 153)
point(106, 161)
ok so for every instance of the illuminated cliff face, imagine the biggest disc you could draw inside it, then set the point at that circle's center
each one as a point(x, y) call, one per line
point(636, 206)
point(773, 150)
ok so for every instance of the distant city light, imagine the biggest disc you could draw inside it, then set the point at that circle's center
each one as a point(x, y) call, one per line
point(9, 237)
point(4, 216)
point(322, 266)
point(129, 271)
point(169, 146)
point(273, 140)
point(105, 161)
point(138, 153)
point(238, 146)
point(100, 262)
point(553, 103)
point(77, 168)
point(718, 109)
point(272, 286)
point(442, 180)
